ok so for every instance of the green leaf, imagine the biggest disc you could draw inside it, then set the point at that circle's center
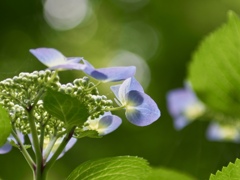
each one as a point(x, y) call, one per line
point(87, 133)
point(5, 125)
point(231, 172)
point(168, 174)
point(215, 69)
point(117, 168)
point(65, 107)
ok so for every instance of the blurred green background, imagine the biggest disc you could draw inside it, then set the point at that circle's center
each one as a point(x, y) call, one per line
point(158, 36)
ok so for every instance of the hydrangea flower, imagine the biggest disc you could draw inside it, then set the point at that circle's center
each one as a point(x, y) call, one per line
point(184, 106)
point(7, 146)
point(223, 132)
point(140, 109)
point(110, 74)
point(69, 145)
point(47, 142)
point(54, 59)
point(104, 125)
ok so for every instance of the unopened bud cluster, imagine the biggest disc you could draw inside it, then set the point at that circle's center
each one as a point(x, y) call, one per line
point(24, 93)
point(86, 92)
point(21, 92)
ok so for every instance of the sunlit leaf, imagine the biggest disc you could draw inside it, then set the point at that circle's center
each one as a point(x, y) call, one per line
point(5, 125)
point(65, 107)
point(231, 172)
point(215, 69)
point(117, 168)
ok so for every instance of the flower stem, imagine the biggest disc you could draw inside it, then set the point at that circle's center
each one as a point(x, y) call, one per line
point(36, 146)
point(24, 151)
point(115, 108)
point(97, 84)
point(61, 147)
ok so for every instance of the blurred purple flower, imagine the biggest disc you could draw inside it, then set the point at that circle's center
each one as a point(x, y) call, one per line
point(140, 108)
point(54, 59)
point(184, 106)
point(110, 74)
point(223, 132)
point(7, 146)
point(104, 125)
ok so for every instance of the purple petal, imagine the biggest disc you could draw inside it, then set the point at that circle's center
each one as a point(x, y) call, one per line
point(217, 132)
point(115, 90)
point(5, 148)
point(74, 59)
point(180, 122)
point(68, 66)
point(178, 100)
point(56, 60)
point(128, 85)
point(108, 124)
point(111, 74)
point(49, 56)
point(20, 136)
point(69, 145)
point(141, 110)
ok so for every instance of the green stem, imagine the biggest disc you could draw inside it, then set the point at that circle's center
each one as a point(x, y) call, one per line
point(24, 151)
point(38, 175)
point(58, 152)
point(115, 108)
point(97, 84)
point(36, 146)
point(42, 136)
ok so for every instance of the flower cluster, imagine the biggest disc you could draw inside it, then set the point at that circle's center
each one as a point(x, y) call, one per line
point(223, 132)
point(23, 97)
point(185, 107)
point(140, 109)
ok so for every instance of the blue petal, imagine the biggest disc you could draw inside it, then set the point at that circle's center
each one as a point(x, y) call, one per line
point(111, 74)
point(128, 85)
point(56, 60)
point(68, 66)
point(115, 90)
point(74, 59)
point(49, 56)
point(141, 110)
point(180, 122)
point(215, 132)
point(178, 100)
point(69, 145)
point(108, 124)
point(5, 148)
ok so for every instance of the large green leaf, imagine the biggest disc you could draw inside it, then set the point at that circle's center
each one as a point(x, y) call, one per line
point(117, 168)
point(65, 107)
point(168, 174)
point(231, 172)
point(215, 69)
point(5, 125)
